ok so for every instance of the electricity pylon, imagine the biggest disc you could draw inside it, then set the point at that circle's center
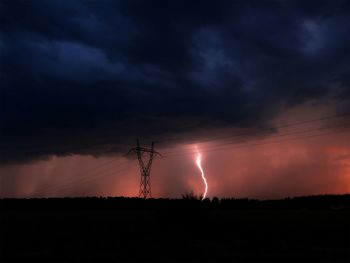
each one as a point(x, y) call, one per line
point(145, 167)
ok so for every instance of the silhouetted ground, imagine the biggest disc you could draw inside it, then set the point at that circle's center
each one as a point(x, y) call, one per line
point(306, 229)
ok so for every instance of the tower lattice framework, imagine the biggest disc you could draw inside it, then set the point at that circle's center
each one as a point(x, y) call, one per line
point(145, 157)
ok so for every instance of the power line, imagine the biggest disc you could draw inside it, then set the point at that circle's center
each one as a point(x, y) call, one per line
point(98, 176)
point(80, 177)
point(87, 176)
point(242, 145)
point(256, 144)
point(85, 173)
point(274, 136)
point(328, 117)
point(106, 139)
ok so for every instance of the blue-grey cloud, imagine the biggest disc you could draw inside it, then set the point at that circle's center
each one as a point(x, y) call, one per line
point(87, 77)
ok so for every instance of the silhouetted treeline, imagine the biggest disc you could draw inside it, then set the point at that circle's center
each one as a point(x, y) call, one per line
point(102, 203)
point(302, 229)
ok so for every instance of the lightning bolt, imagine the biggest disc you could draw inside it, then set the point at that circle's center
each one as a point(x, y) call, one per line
point(199, 164)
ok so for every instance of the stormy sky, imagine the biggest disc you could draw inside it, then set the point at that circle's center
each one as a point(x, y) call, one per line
point(81, 80)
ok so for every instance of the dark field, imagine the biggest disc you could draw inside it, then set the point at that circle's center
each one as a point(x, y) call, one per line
point(306, 229)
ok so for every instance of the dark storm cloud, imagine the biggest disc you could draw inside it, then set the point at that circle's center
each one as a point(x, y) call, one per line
point(87, 77)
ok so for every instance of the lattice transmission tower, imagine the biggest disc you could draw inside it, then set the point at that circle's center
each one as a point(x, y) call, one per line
point(145, 157)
